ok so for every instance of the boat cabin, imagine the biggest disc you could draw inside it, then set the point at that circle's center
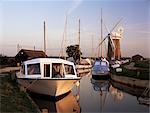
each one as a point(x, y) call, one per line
point(48, 68)
point(101, 67)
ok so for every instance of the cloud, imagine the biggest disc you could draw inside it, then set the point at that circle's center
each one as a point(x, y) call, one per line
point(75, 5)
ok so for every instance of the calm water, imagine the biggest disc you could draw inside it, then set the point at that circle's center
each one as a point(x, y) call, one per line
point(94, 96)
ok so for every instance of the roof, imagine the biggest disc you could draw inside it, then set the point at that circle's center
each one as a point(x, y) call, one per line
point(32, 53)
point(139, 56)
point(48, 60)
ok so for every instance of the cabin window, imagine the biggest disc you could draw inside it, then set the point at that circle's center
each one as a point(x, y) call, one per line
point(57, 70)
point(33, 69)
point(46, 70)
point(69, 69)
point(103, 64)
point(23, 69)
point(97, 63)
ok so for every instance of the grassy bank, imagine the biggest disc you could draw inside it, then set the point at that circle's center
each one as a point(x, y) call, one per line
point(12, 99)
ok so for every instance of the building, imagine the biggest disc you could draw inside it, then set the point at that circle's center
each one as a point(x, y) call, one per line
point(25, 54)
point(137, 57)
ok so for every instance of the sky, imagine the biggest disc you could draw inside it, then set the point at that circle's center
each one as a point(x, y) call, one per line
point(21, 22)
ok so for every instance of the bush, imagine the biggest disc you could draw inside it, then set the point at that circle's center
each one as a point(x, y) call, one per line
point(142, 64)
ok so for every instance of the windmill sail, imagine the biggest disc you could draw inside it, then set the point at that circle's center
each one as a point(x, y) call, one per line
point(111, 48)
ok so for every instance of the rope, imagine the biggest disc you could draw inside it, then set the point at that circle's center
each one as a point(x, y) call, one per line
point(145, 91)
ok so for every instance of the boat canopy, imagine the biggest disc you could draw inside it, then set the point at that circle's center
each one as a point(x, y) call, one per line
point(48, 68)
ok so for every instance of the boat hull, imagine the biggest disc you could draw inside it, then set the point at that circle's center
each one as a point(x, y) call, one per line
point(52, 87)
point(83, 67)
point(103, 76)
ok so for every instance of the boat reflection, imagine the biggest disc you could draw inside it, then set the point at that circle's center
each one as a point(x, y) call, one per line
point(142, 94)
point(86, 72)
point(67, 103)
point(101, 86)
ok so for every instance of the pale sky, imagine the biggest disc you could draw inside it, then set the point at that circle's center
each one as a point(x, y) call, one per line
point(21, 22)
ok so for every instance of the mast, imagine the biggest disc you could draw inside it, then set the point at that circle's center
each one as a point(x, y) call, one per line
point(101, 33)
point(92, 48)
point(79, 38)
point(65, 37)
point(79, 35)
point(18, 48)
point(63, 43)
point(44, 38)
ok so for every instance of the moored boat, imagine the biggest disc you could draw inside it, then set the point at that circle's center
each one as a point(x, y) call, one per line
point(49, 76)
point(84, 64)
point(100, 68)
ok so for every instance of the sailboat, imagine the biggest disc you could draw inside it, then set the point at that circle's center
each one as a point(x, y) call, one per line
point(101, 66)
point(84, 65)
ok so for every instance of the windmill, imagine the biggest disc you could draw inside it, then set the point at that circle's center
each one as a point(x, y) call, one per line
point(114, 51)
point(116, 37)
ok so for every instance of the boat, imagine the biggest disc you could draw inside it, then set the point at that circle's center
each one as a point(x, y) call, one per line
point(83, 66)
point(48, 76)
point(100, 69)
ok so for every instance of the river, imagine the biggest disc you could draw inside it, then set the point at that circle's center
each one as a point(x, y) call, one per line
point(94, 96)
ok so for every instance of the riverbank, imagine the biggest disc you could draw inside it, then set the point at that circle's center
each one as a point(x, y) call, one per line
point(130, 81)
point(131, 70)
point(12, 99)
point(9, 69)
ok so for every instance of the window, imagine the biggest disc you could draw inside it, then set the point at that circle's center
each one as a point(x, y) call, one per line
point(23, 69)
point(46, 70)
point(57, 70)
point(103, 63)
point(33, 69)
point(69, 69)
point(97, 63)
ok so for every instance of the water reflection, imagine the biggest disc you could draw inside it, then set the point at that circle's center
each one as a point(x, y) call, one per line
point(67, 103)
point(91, 95)
point(101, 86)
point(142, 94)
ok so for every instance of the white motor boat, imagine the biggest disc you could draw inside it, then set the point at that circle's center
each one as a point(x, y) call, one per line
point(49, 76)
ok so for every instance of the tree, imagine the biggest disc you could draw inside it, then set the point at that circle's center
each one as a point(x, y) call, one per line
point(74, 51)
point(3, 59)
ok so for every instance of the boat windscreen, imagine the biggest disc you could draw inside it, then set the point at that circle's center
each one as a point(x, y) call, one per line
point(103, 63)
point(69, 69)
point(33, 69)
point(57, 70)
point(97, 63)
